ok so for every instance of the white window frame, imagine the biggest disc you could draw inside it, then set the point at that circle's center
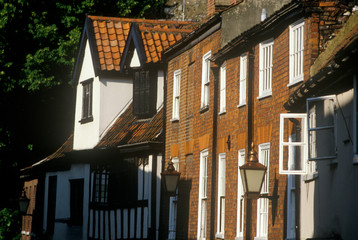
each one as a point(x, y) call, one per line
point(243, 77)
point(203, 189)
point(221, 196)
point(290, 144)
point(265, 68)
point(296, 51)
point(205, 80)
point(173, 207)
point(223, 88)
point(263, 203)
point(176, 95)
point(240, 198)
point(312, 130)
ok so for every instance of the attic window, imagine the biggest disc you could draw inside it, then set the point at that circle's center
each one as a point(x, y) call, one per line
point(144, 94)
point(87, 101)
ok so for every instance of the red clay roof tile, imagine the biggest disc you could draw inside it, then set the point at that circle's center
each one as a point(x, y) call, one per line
point(114, 32)
point(128, 130)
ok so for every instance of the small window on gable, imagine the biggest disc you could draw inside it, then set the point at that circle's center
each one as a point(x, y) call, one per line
point(205, 81)
point(296, 51)
point(176, 95)
point(87, 101)
point(144, 94)
point(293, 143)
point(223, 88)
point(321, 128)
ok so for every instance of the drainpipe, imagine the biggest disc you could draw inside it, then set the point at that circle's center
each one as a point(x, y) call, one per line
point(250, 133)
point(216, 71)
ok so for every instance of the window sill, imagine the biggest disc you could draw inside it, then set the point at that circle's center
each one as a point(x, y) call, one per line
point(260, 238)
point(219, 235)
point(293, 83)
point(86, 120)
point(241, 105)
point(173, 120)
point(204, 109)
point(222, 112)
point(266, 95)
point(310, 177)
point(239, 238)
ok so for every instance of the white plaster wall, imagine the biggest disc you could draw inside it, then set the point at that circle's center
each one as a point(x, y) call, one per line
point(160, 89)
point(329, 203)
point(307, 209)
point(86, 135)
point(110, 96)
point(115, 95)
point(77, 171)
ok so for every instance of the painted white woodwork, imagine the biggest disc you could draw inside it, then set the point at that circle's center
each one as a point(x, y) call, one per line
point(135, 60)
point(78, 171)
point(160, 89)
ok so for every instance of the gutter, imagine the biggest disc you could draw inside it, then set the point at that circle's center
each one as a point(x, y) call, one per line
point(258, 30)
point(193, 38)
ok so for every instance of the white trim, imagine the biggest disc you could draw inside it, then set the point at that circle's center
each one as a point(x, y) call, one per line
point(290, 144)
point(240, 197)
point(223, 88)
point(314, 129)
point(265, 68)
point(203, 188)
point(220, 232)
point(243, 79)
point(176, 95)
point(296, 49)
point(263, 203)
point(205, 80)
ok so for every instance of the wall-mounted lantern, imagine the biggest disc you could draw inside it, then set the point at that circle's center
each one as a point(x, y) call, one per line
point(23, 203)
point(252, 175)
point(171, 179)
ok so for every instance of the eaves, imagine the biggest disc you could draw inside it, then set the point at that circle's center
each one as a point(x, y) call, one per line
point(256, 33)
point(193, 38)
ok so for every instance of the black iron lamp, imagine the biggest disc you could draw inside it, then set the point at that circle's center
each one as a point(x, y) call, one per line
point(252, 175)
point(23, 203)
point(171, 179)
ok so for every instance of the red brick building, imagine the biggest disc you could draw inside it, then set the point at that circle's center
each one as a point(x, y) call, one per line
point(251, 78)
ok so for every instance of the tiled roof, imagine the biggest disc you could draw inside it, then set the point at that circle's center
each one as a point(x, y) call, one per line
point(128, 129)
point(66, 147)
point(111, 34)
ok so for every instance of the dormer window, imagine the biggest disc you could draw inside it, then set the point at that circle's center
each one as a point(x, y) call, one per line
point(144, 94)
point(87, 101)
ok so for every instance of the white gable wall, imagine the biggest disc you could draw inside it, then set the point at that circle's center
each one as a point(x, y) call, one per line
point(86, 135)
point(160, 89)
point(116, 95)
point(109, 97)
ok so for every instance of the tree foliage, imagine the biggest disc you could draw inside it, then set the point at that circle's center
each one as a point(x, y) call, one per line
point(38, 45)
point(38, 38)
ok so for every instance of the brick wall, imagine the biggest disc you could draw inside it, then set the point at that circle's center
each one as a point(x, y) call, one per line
point(193, 132)
point(30, 188)
point(266, 126)
point(328, 17)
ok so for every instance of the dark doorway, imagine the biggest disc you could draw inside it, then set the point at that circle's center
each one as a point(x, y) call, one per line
point(76, 201)
point(51, 208)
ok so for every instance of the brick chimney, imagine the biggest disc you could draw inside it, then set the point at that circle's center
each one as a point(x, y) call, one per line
point(215, 6)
